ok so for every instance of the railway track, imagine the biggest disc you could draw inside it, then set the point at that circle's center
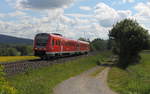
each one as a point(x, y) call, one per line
point(23, 66)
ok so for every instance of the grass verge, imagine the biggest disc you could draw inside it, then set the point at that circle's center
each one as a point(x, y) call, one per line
point(43, 80)
point(16, 58)
point(137, 81)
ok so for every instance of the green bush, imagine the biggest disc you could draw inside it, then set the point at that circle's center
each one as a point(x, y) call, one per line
point(5, 88)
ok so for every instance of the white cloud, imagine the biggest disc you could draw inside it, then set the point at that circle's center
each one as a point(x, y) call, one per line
point(124, 13)
point(143, 9)
point(12, 14)
point(53, 20)
point(79, 15)
point(128, 1)
point(73, 25)
point(143, 14)
point(108, 16)
point(105, 14)
point(42, 4)
point(86, 8)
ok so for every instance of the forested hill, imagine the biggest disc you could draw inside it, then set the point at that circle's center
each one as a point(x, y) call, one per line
point(4, 39)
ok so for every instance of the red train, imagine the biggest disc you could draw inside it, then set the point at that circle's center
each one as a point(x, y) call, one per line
point(51, 45)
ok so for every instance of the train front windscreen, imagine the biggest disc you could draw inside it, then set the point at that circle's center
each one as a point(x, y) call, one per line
point(41, 40)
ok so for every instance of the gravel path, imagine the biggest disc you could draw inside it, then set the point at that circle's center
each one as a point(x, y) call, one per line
point(85, 84)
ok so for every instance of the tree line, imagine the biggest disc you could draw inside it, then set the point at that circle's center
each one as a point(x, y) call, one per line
point(15, 50)
point(27, 50)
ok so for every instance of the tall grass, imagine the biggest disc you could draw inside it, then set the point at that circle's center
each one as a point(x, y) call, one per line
point(42, 81)
point(134, 81)
point(5, 88)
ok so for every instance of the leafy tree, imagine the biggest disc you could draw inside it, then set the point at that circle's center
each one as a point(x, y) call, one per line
point(129, 38)
point(12, 52)
point(8, 52)
point(109, 44)
point(24, 50)
point(148, 46)
point(29, 50)
point(99, 44)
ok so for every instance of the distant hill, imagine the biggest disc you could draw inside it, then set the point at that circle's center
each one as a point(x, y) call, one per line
point(5, 39)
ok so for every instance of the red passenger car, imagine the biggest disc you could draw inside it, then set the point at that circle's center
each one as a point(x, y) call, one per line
point(50, 45)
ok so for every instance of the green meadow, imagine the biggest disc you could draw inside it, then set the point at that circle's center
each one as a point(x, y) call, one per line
point(42, 81)
point(134, 81)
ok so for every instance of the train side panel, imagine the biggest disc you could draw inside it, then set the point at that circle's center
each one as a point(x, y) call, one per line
point(54, 45)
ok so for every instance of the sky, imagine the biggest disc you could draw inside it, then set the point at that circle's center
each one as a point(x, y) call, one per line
point(71, 18)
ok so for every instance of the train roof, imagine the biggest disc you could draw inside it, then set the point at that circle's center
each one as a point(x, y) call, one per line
point(60, 36)
point(83, 42)
point(56, 34)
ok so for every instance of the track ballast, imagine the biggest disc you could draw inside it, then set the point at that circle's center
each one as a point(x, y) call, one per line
point(23, 66)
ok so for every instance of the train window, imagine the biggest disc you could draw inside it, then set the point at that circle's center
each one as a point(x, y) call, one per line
point(41, 40)
point(56, 42)
point(62, 43)
point(69, 43)
point(66, 44)
point(59, 42)
point(53, 42)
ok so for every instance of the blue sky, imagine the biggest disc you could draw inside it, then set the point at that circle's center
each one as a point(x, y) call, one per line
point(72, 18)
point(5, 7)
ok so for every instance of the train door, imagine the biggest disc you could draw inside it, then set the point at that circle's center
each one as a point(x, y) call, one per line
point(61, 45)
point(65, 46)
point(57, 45)
point(53, 45)
point(78, 47)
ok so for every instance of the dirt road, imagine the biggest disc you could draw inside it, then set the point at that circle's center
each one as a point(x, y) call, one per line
point(85, 84)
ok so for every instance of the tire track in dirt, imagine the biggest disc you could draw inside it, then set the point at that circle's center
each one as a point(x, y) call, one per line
point(85, 84)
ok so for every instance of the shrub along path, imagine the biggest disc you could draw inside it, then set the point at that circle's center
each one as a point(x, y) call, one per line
point(85, 84)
